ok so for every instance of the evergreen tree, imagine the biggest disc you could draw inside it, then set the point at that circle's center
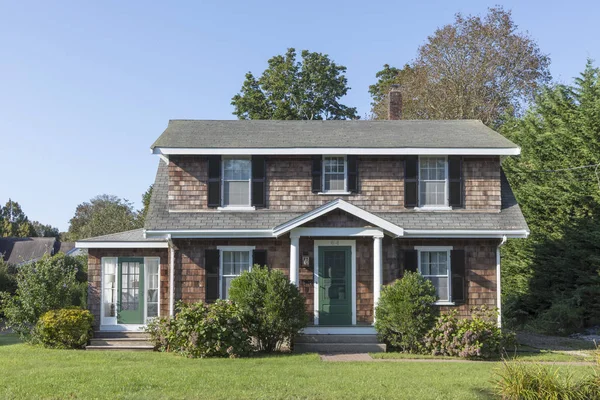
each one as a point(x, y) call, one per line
point(14, 222)
point(554, 276)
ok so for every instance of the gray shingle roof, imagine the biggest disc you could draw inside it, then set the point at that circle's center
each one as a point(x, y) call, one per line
point(159, 218)
point(23, 250)
point(135, 235)
point(331, 134)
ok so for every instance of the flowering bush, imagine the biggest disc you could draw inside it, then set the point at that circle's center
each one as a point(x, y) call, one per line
point(477, 337)
point(200, 330)
point(405, 312)
point(67, 328)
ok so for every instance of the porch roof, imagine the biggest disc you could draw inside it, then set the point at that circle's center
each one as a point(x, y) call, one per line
point(127, 239)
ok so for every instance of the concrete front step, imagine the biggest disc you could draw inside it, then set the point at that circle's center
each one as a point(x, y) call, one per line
point(121, 335)
point(346, 348)
point(119, 342)
point(364, 339)
point(121, 348)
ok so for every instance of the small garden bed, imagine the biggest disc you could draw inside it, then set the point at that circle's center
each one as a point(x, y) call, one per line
point(542, 356)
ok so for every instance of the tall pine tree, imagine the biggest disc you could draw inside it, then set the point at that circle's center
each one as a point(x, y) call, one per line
point(554, 276)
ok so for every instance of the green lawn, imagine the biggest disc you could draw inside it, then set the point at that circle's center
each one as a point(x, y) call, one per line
point(36, 373)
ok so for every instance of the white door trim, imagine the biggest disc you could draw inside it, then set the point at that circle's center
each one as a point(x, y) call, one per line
point(328, 243)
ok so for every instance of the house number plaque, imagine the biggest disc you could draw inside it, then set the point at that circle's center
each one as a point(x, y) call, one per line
point(334, 242)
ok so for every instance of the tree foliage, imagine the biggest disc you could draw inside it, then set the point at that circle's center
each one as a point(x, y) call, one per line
point(474, 68)
point(554, 276)
point(14, 222)
point(146, 203)
point(103, 215)
point(295, 90)
point(43, 230)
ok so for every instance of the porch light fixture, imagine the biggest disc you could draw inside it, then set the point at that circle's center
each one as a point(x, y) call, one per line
point(305, 260)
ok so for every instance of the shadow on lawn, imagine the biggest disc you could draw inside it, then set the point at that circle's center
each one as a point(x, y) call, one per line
point(7, 339)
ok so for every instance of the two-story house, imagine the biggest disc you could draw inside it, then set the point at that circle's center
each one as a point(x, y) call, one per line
point(341, 207)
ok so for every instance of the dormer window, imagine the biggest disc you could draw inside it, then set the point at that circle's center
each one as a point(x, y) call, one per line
point(334, 174)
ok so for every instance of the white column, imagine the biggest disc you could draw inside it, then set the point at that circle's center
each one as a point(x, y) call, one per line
point(377, 271)
point(171, 279)
point(498, 282)
point(294, 259)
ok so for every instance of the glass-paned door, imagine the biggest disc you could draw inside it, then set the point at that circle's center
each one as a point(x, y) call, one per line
point(335, 297)
point(152, 282)
point(131, 290)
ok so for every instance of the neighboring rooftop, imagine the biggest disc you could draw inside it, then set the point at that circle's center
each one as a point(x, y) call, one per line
point(19, 251)
point(419, 134)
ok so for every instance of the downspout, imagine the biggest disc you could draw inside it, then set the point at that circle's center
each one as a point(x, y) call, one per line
point(498, 282)
point(171, 277)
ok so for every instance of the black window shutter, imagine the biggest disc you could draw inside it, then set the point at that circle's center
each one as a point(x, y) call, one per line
point(259, 257)
point(411, 181)
point(410, 261)
point(214, 181)
point(455, 178)
point(457, 261)
point(352, 163)
point(317, 180)
point(211, 273)
point(259, 182)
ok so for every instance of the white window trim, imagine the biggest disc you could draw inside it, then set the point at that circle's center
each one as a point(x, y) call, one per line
point(146, 275)
point(237, 207)
point(446, 206)
point(231, 248)
point(328, 243)
point(447, 249)
point(335, 192)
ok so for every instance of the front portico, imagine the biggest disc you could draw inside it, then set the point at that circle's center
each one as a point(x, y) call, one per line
point(334, 262)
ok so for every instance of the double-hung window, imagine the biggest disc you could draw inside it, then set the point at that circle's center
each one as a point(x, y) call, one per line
point(433, 182)
point(334, 174)
point(434, 264)
point(234, 261)
point(236, 182)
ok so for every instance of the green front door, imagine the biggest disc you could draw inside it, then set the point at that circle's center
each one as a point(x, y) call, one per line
point(131, 291)
point(335, 296)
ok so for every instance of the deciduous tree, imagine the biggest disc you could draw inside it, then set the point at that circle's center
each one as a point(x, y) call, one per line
point(474, 68)
point(291, 90)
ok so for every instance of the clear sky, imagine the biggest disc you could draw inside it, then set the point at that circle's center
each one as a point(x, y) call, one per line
point(86, 87)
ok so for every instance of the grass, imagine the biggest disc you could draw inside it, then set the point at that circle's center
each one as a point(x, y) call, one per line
point(542, 355)
point(28, 372)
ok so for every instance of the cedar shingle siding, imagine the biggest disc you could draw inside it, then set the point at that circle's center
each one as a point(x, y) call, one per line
point(289, 184)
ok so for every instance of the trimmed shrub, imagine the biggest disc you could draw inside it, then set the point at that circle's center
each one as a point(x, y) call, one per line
point(562, 318)
point(67, 328)
point(405, 312)
point(272, 307)
point(47, 284)
point(475, 337)
point(199, 330)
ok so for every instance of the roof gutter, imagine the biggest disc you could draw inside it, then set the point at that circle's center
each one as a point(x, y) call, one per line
point(442, 151)
point(459, 233)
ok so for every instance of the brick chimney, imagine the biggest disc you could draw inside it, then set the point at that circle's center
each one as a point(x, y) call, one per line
point(395, 103)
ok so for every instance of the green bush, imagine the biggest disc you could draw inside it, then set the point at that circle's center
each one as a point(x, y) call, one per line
point(405, 312)
point(273, 309)
point(67, 328)
point(47, 284)
point(517, 380)
point(199, 330)
point(475, 337)
point(562, 318)
point(8, 277)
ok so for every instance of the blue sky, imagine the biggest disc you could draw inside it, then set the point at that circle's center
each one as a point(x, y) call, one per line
point(86, 88)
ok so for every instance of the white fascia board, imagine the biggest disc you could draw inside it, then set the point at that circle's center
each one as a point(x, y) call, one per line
point(122, 245)
point(212, 233)
point(459, 233)
point(336, 232)
point(502, 151)
point(343, 205)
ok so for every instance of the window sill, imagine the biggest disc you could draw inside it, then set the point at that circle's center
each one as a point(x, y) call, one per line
point(444, 303)
point(334, 193)
point(425, 208)
point(236, 208)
